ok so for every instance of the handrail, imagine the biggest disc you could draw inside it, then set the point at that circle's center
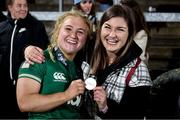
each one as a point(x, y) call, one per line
point(149, 16)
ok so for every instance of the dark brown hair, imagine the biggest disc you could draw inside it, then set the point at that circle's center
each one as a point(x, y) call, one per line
point(138, 14)
point(140, 22)
point(100, 59)
point(92, 12)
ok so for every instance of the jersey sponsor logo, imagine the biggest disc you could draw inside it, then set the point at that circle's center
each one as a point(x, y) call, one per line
point(59, 77)
point(75, 102)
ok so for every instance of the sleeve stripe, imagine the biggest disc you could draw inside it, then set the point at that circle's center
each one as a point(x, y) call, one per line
point(30, 76)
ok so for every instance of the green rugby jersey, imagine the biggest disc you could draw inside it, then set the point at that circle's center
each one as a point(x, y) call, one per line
point(54, 77)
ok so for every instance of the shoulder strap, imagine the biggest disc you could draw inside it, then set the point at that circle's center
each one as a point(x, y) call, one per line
point(132, 70)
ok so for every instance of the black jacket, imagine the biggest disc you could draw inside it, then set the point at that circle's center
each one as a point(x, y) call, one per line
point(133, 102)
point(164, 102)
point(15, 35)
point(2, 16)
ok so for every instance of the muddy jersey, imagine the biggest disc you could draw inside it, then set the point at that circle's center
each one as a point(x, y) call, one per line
point(54, 77)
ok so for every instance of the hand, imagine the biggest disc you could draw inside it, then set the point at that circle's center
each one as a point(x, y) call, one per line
point(76, 88)
point(34, 54)
point(100, 97)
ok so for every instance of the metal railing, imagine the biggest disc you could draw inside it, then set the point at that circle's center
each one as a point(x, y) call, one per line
point(149, 16)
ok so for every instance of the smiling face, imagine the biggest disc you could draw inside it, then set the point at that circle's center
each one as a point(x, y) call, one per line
point(114, 34)
point(86, 6)
point(72, 36)
point(18, 9)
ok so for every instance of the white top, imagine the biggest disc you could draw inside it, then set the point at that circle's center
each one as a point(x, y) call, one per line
point(141, 39)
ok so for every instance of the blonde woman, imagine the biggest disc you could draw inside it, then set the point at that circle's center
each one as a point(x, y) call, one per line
point(51, 90)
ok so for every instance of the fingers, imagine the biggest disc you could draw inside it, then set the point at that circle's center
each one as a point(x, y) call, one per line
point(26, 55)
point(100, 97)
point(76, 88)
point(34, 54)
point(39, 49)
point(29, 61)
point(80, 86)
point(99, 94)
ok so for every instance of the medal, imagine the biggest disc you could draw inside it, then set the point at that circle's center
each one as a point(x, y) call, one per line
point(90, 83)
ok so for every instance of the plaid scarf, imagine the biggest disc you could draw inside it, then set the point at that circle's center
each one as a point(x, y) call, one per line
point(115, 82)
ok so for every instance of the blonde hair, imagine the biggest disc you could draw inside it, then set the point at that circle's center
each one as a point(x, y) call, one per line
point(58, 24)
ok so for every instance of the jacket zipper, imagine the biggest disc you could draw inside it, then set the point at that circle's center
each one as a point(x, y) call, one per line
point(11, 52)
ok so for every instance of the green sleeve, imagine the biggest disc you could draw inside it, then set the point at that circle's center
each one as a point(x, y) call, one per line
point(35, 71)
